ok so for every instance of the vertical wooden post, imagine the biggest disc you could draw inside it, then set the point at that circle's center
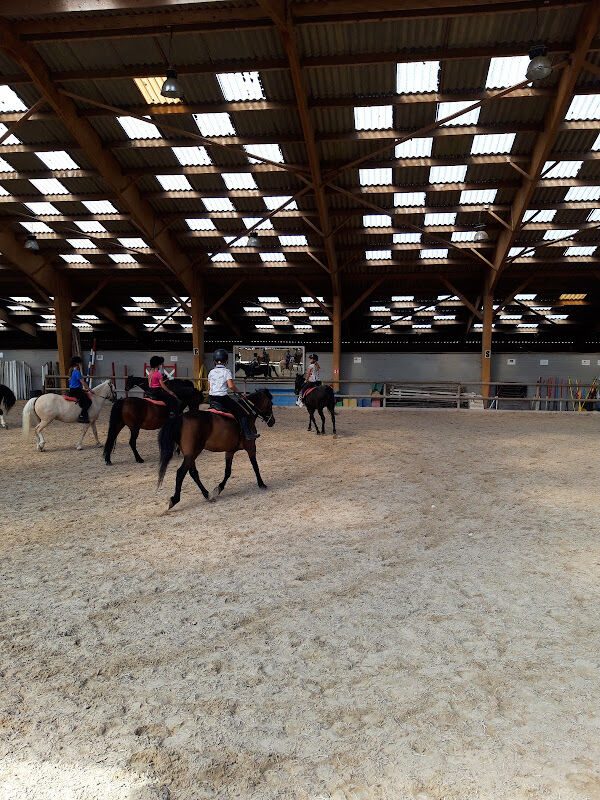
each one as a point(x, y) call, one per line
point(337, 340)
point(64, 317)
point(486, 335)
point(197, 308)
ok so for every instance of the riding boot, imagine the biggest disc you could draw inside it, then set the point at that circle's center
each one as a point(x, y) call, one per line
point(246, 430)
point(83, 417)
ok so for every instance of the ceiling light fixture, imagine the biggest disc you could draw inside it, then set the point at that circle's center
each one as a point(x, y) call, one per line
point(481, 235)
point(31, 243)
point(539, 66)
point(253, 240)
point(171, 87)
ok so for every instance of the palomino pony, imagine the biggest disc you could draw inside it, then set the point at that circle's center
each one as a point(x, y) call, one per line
point(7, 399)
point(186, 392)
point(137, 413)
point(214, 431)
point(48, 407)
point(315, 399)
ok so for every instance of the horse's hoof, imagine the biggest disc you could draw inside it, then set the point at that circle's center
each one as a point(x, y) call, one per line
point(212, 496)
point(172, 502)
point(262, 485)
point(140, 460)
point(79, 447)
point(108, 463)
point(40, 447)
point(98, 444)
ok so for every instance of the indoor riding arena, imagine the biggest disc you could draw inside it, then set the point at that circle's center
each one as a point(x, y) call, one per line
point(299, 400)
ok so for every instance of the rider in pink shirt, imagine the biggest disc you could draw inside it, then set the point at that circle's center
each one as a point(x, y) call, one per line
point(158, 390)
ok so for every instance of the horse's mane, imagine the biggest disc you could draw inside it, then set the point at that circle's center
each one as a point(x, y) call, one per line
point(264, 392)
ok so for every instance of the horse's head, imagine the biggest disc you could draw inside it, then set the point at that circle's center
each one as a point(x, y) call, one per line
point(106, 390)
point(262, 400)
point(130, 382)
point(299, 383)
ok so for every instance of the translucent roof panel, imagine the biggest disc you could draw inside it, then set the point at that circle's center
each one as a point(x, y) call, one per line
point(10, 100)
point(132, 241)
point(583, 193)
point(409, 199)
point(12, 139)
point(271, 152)
point(275, 202)
point(234, 242)
point(192, 156)
point(57, 159)
point(515, 251)
point(218, 204)
point(562, 169)
point(406, 238)
point(49, 186)
point(375, 177)
point(559, 234)
point(446, 218)
point(150, 89)
point(293, 240)
point(5, 166)
point(477, 196)
point(272, 256)
point(596, 146)
point(74, 258)
point(417, 76)
point(505, 71)
point(222, 257)
point(265, 225)
point(485, 143)
point(82, 244)
point(415, 148)
point(580, 251)
point(373, 118)
point(462, 236)
point(99, 206)
point(44, 209)
point(446, 109)
point(537, 215)
point(377, 221)
point(218, 124)
point(90, 226)
point(138, 129)
point(4, 192)
point(122, 258)
point(584, 106)
point(174, 183)
point(434, 252)
point(241, 86)
point(36, 227)
point(239, 180)
point(378, 255)
point(448, 174)
point(594, 215)
point(201, 224)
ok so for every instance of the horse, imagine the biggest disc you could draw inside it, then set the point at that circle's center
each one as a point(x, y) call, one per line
point(315, 400)
point(214, 431)
point(186, 392)
point(50, 406)
point(137, 413)
point(7, 399)
point(256, 370)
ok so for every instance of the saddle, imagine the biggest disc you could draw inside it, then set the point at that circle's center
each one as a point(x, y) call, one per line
point(70, 399)
point(308, 391)
point(156, 402)
point(221, 413)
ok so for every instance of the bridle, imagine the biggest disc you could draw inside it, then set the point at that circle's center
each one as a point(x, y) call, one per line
point(268, 420)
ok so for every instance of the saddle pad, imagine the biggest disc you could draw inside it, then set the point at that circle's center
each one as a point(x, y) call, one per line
point(156, 402)
point(221, 413)
point(72, 399)
point(308, 391)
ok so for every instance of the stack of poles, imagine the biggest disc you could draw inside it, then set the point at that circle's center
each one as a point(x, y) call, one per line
point(553, 394)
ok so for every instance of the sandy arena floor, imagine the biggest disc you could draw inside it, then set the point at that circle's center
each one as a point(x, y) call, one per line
point(409, 611)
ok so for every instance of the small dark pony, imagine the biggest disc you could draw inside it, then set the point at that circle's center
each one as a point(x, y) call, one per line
point(189, 396)
point(214, 431)
point(256, 370)
point(316, 400)
point(7, 399)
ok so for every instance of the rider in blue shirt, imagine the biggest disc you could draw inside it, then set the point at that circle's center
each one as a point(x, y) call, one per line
point(79, 389)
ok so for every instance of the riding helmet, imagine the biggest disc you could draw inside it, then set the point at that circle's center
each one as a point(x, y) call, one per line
point(156, 361)
point(220, 355)
point(314, 356)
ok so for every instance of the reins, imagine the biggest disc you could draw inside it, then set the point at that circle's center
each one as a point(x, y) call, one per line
point(255, 409)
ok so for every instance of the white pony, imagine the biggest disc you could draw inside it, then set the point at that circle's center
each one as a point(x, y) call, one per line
point(45, 409)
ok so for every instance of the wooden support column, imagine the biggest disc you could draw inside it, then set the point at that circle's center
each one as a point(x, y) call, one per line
point(486, 335)
point(337, 340)
point(197, 303)
point(64, 317)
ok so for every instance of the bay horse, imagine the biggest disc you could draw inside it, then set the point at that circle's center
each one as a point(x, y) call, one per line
point(7, 399)
point(214, 431)
point(186, 392)
point(48, 407)
point(137, 413)
point(316, 399)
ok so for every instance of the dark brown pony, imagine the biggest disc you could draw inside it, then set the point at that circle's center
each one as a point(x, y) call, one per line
point(206, 430)
point(316, 399)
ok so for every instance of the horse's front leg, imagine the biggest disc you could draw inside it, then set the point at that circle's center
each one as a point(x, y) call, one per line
point(133, 444)
point(95, 432)
point(250, 447)
point(83, 433)
point(322, 415)
point(196, 478)
point(2, 421)
point(220, 486)
point(41, 442)
point(313, 421)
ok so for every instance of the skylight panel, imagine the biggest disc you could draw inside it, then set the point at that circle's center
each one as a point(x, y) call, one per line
point(132, 241)
point(192, 156)
point(373, 118)
point(444, 218)
point(133, 309)
point(218, 204)
point(218, 124)
point(486, 143)
point(4, 192)
point(264, 327)
point(12, 139)
point(580, 251)
point(406, 238)
point(415, 148)
point(515, 251)
point(562, 169)
point(265, 225)
point(82, 244)
point(572, 296)
point(280, 318)
point(596, 145)
point(435, 252)
point(505, 71)
point(174, 183)
point(43, 209)
point(269, 299)
point(143, 299)
point(448, 174)
point(417, 76)
point(241, 86)
point(10, 100)
point(57, 159)
point(584, 106)
point(5, 166)
point(139, 129)
point(403, 298)
point(409, 199)
point(221, 257)
point(302, 327)
point(293, 240)
point(90, 226)
point(525, 297)
point(239, 180)
point(233, 241)
point(150, 89)
point(200, 224)
point(36, 227)
point(272, 152)
point(375, 177)
point(552, 236)
point(477, 196)
point(272, 256)
point(123, 258)
point(74, 258)
point(583, 193)
point(463, 236)
point(274, 202)
point(558, 316)
point(99, 206)
point(446, 109)
point(378, 255)
point(377, 221)
point(594, 215)
point(318, 319)
point(49, 186)
point(87, 316)
point(308, 300)
point(545, 215)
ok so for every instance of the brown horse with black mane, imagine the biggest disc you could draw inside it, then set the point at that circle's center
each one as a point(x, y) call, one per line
point(214, 431)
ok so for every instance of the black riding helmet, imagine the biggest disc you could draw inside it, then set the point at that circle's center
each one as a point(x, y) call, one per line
point(156, 361)
point(314, 356)
point(220, 356)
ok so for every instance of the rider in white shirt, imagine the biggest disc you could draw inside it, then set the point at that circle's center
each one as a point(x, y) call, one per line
point(312, 376)
point(220, 379)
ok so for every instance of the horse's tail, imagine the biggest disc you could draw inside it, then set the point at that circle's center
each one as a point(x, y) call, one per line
point(29, 415)
point(168, 437)
point(114, 428)
point(330, 400)
point(8, 398)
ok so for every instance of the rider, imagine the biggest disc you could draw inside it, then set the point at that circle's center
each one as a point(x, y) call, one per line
point(220, 379)
point(312, 377)
point(79, 389)
point(157, 388)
